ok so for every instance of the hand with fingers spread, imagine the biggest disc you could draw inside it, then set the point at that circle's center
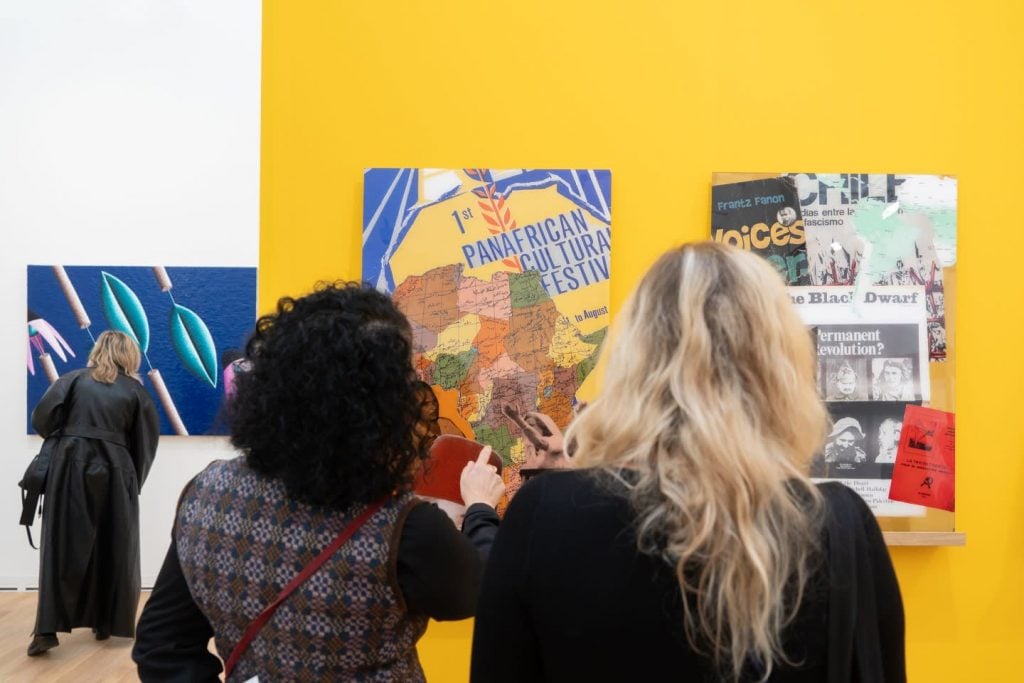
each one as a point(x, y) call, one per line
point(480, 481)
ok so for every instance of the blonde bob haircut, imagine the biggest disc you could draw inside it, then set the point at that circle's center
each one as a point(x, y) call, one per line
point(710, 399)
point(113, 353)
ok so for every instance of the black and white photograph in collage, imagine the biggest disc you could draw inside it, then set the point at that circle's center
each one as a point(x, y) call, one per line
point(877, 362)
point(846, 379)
point(862, 441)
point(892, 379)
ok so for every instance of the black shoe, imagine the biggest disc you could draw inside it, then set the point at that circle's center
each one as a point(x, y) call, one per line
point(41, 642)
point(101, 634)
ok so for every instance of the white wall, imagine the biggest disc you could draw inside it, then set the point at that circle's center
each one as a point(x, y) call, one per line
point(129, 135)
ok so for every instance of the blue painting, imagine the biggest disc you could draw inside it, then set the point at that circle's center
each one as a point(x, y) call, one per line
point(191, 325)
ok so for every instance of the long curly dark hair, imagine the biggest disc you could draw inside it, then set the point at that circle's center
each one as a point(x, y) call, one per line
point(328, 405)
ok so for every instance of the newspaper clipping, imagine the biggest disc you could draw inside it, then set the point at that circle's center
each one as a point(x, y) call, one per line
point(872, 354)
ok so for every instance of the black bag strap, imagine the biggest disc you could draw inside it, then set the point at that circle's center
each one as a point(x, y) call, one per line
point(842, 604)
point(30, 506)
point(854, 648)
point(263, 617)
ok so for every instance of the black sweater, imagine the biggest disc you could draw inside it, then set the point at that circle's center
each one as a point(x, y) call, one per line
point(567, 597)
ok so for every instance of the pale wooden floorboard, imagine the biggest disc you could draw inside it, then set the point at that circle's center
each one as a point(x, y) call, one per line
point(79, 659)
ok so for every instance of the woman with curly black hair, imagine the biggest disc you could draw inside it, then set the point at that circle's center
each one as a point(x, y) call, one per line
point(326, 416)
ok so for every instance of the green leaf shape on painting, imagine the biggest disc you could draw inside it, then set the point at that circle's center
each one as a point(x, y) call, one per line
point(124, 311)
point(194, 344)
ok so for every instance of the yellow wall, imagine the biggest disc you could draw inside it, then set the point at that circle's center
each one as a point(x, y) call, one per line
point(664, 93)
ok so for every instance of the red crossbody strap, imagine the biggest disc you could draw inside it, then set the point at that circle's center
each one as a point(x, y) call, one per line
point(307, 571)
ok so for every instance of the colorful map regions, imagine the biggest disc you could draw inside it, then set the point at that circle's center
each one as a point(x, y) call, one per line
point(504, 277)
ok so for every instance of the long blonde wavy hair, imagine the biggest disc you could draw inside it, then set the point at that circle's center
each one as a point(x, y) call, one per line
point(710, 398)
point(114, 352)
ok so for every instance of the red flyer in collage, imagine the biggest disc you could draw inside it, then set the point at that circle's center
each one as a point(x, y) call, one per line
point(925, 459)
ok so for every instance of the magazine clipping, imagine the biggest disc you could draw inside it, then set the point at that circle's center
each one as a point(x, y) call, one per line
point(872, 352)
point(763, 217)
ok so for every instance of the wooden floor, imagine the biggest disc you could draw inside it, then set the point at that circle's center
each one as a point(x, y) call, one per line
point(79, 659)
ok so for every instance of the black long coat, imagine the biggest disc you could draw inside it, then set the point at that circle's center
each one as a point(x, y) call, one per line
point(89, 573)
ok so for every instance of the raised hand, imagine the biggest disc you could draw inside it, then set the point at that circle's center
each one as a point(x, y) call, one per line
point(480, 481)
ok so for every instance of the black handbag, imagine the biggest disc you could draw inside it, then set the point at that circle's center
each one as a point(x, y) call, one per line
point(34, 480)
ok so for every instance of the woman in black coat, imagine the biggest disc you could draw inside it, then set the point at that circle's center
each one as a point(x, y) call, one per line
point(107, 430)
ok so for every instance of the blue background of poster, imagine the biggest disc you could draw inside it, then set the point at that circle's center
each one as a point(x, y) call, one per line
point(225, 299)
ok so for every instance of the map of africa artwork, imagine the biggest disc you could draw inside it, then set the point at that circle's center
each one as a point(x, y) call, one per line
point(504, 277)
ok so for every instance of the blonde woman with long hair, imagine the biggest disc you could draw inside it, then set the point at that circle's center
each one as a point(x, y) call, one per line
point(101, 432)
point(687, 543)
